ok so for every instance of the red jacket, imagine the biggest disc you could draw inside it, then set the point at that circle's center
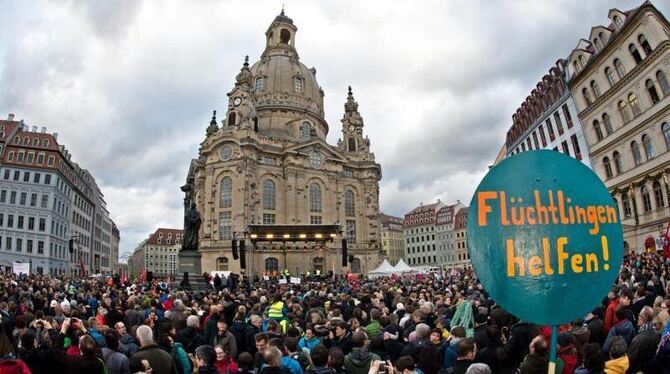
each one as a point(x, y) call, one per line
point(226, 366)
point(13, 366)
point(610, 317)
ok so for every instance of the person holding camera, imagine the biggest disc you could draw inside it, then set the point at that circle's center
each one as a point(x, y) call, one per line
point(341, 337)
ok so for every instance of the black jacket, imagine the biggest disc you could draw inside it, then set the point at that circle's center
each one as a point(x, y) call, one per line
point(191, 339)
point(642, 350)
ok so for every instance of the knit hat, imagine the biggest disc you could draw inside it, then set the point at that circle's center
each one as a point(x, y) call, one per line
point(400, 306)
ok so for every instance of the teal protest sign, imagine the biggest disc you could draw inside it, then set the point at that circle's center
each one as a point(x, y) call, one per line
point(544, 237)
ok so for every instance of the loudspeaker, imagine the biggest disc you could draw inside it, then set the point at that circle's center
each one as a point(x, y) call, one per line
point(243, 255)
point(234, 249)
point(70, 246)
point(344, 252)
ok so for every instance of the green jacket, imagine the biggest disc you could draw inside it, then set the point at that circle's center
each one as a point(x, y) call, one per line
point(359, 360)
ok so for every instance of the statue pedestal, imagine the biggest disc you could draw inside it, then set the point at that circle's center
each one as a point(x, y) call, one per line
point(189, 265)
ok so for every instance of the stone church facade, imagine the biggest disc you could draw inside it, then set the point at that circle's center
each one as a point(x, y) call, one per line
point(268, 163)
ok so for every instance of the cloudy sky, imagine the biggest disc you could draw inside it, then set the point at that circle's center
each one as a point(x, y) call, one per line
point(130, 85)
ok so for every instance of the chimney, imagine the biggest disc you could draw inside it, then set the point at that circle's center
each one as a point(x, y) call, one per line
point(34, 128)
point(10, 117)
point(44, 129)
point(55, 136)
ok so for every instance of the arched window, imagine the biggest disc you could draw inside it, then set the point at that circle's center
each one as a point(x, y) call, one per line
point(597, 130)
point(635, 150)
point(581, 61)
point(634, 106)
point(595, 88)
point(663, 82)
point(226, 192)
point(271, 264)
point(349, 203)
point(576, 66)
point(598, 44)
point(648, 148)
point(646, 199)
point(269, 194)
point(635, 53)
point(356, 265)
point(608, 124)
point(351, 144)
point(259, 84)
point(616, 157)
point(607, 167)
point(298, 84)
point(45, 143)
point(653, 94)
point(623, 111)
point(618, 22)
point(285, 36)
point(222, 264)
point(665, 128)
point(315, 198)
point(625, 202)
point(305, 130)
point(36, 142)
point(658, 194)
point(619, 68)
point(610, 76)
point(231, 119)
point(645, 44)
point(586, 95)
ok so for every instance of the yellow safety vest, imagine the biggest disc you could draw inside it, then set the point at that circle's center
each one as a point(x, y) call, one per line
point(276, 310)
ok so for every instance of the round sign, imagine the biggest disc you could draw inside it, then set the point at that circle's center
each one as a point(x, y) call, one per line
point(544, 237)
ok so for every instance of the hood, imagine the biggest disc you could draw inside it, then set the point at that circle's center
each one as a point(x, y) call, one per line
point(323, 370)
point(360, 357)
point(619, 365)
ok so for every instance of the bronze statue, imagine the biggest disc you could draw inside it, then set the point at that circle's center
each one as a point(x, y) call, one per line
point(192, 223)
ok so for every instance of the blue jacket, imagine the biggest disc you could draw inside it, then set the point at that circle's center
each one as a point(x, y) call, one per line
point(624, 329)
point(309, 344)
point(450, 356)
point(179, 353)
point(292, 365)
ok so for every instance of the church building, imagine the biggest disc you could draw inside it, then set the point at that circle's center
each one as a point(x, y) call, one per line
point(267, 164)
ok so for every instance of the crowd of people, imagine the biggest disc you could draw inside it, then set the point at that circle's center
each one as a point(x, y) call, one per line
point(430, 324)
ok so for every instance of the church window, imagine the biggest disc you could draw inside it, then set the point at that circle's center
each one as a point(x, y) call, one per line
point(285, 36)
point(298, 84)
point(646, 199)
point(635, 150)
point(635, 53)
point(269, 192)
point(222, 264)
point(653, 94)
point(645, 44)
point(315, 220)
point(596, 89)
point(226, 152)
point(356, 265)
point(648, 148)
point(658, 194)
point(619, 68)
point(632, 99)
point(623, 111)
point(607, 167)
point(225, 225)
point(625, 201)
point(271, 264)
point(305, 130)
point(315, 198)
point(349, 203)
point(608, 123)
point(352, 144)
point(269, 219)
point(617, 162)
point(226, 192)
point(315, 159)
point(597, 130)
point(231, 119)
point(663, 82)
point(259, 84)
point(610, 76)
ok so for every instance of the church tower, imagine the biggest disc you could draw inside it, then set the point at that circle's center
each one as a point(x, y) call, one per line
point(352, 128)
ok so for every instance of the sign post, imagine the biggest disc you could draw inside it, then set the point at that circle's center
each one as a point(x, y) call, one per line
point(544, 238)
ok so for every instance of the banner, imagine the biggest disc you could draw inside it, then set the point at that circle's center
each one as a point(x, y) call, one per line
point(295, 280)
point(282, 280)
point(21, 268)
point(544, 237)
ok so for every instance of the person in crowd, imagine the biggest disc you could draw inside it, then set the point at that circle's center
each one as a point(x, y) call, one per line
point(359, 360)
point(466, 350)
point(190, 336)
point(161, 362)
point(224, 338)
point(116, 362)
point(618, 362)
point(205, 360)
point(538, 360)
point(272, 358)
point(224, 361)
point(643, 347)
point(128, 345)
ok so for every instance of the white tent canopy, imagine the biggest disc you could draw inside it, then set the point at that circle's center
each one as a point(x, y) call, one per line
point(402, 267)
point(384, 269)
